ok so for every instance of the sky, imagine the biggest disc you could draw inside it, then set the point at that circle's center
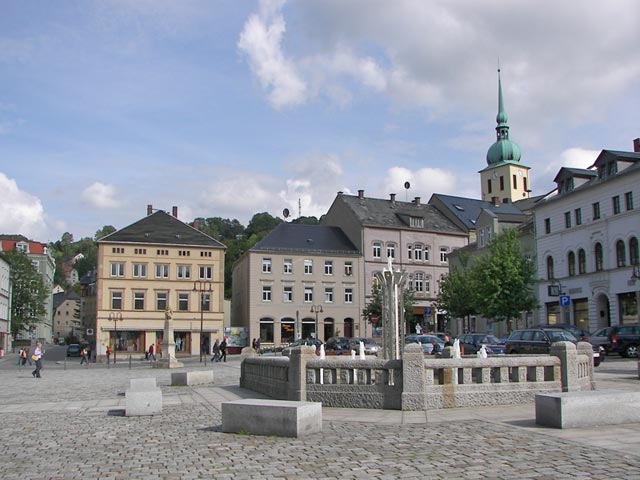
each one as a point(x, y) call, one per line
point(229, 108)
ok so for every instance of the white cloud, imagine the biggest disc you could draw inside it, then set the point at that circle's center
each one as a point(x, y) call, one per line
point(20, 212)
point(423, 182)
point(101, 195)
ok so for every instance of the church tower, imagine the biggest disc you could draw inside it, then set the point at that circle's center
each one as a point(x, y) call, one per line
point(504, 178)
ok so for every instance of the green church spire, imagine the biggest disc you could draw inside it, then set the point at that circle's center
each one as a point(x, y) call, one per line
point(504, 150)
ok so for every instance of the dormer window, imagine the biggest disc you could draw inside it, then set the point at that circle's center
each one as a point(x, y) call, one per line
point(416, 222)
point(22, 247)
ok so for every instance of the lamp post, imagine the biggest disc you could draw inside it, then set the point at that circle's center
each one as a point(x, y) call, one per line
point(202, 287)
point(115, 318)
point(316, 309)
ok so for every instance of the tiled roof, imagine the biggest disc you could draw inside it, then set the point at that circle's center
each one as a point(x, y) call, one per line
point(468, 209)
point(291, 237)
point(35, 248)
point(160, 228)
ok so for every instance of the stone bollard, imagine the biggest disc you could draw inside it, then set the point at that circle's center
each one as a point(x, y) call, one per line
point(414, 380)
point(298, 372)
point(248, 352)
point(568, 355)
point(585, 348)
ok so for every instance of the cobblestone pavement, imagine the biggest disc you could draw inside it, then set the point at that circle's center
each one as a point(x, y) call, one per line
point(70, 425)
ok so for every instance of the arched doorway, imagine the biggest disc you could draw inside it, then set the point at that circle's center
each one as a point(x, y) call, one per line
point(603, 316)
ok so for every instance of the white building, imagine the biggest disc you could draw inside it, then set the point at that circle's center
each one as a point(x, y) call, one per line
point(5, 304)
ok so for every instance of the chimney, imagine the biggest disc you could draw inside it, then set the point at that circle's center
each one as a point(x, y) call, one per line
point(495, 201)
point(636, 145)
point(417, 201)
point(174, 211)
point(392, 197)
point(361, 194)
point(149, 209)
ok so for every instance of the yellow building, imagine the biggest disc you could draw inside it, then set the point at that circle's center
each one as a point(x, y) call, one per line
point(154, 265)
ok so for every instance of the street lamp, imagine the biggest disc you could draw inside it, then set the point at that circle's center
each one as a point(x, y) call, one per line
point(115, 318)
point(202, 287)
point(316, 309)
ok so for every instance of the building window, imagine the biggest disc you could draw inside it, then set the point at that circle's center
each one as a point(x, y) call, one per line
point(308, 294)
point(427, 284)
point(427, 253)
point(490, 190)
point(328, 295)
point(616, 204)
point(184, 271)
point(117, 269)
point(391, 250)
point(206, 272)
point(515, 182)
point(138, 300)
point(140, 251)
point(287, 266)
point(621, 254)
point(416, 222)
point(481, 239)
point(266, 265)
point(567, 219)
point(443, 254)
point(377, 250)
point(206, 302)
point(409, 252)
point(418, 282)
point(524, 183)
point(488, 235)
point(578, 215)
point(348, 295)
point(116, 300)
point(501, 183)
point(287, 295)
point(266, 293)
point(596, 210)
point(161, 300)
point(634, 254)
point(550, 275)
point(139, 270)
point(266, 330)
point(628, 200)
point(308, 267)
point(348, 268)
point(571, 260)
point(328, 267)
point(183, 302)
point(547, 225)
point(418, 252)
point(599, 254)
point(162, 270)
point(582, 262)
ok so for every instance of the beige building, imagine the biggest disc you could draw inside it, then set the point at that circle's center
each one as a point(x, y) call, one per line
point(155, 266)
point(296, 276)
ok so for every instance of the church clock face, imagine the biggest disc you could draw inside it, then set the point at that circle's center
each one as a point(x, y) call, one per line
point(495, 175)
point(520, 173)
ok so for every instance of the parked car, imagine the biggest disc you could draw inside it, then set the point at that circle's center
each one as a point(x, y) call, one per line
point(61, 342)
point(426, 341)
point(538, 341)
point(602, 337)
point(577, 332)
point(624, 340)
point(337, 345)
point(472, 343)
point(286, 351)
point(73, 350)
point(371, 347)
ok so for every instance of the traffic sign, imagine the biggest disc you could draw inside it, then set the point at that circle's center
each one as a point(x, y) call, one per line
point(565, 300)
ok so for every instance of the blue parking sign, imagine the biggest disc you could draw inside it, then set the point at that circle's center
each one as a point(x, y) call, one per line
point(565, 300)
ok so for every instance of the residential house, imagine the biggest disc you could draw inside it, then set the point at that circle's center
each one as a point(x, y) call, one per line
point(88, 306)
point(66, 316)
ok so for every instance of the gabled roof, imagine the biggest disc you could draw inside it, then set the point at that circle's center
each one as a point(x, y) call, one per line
point(566, 172)
point(35, 248)
point(291, 237)
point(609, 155)
point(160, 228)
point(466, 210)
point(375, 212)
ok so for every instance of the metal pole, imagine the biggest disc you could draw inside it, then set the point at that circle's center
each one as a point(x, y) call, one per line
point(201, 322)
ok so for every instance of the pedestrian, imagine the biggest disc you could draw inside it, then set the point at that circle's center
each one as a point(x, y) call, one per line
point(216, 352)
point(37, 356)
point(20, 352)
point(108, 353)
point(435, 348)
point(85, 357)
point(258, 346)
point(151, 354)
point(418, 329)
point(253, 344)
point(223, 350)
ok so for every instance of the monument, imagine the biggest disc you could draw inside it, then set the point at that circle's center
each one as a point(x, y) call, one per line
point(392, 288)
point(168, 359)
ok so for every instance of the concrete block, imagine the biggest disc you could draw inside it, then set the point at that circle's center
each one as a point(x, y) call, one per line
point(199, 377)
point(272, 417)
point(142, 383)
point(143, 402)
point(587, 408)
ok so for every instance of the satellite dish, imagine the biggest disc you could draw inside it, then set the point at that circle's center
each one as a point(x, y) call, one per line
point(407, 185)
point(285, 213)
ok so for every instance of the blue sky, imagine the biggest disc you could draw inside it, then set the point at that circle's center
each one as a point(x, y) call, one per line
point(229, 108)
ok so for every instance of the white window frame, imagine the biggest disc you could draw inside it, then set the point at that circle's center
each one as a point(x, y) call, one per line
point(328, 294)
point(328, 267)
point(266, 293)
point(444, 251)
point(391, 250)
point(377, 250)
point(308, 267)
point(287, 294)
point(184, 272)
point(138, 297)
point(116, 296)
point(117, 269)
point(287, 266)
point(348, 268)
point(206, 272)
point(139, 270)
point(308, 294)
point(348, 295)
point(266, 265)
point(182, 298)
point(162, 270)
point(159, 299)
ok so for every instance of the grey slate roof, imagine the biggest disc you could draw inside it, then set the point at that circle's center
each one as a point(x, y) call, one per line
point(291, 237)
point(160, 228)
point(468, 209)
point(376, 212)
point(575, 172)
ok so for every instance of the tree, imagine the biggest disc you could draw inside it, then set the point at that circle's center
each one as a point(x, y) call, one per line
point(103, 232)
point(262, 223)
point(28, 293)
point(373, 310)
point(457, 295)
point(505, 280)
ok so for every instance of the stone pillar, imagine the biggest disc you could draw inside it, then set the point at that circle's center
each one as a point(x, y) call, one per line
point(568, 355)
point(414, 380)
point(298, 372)
point(585, 348)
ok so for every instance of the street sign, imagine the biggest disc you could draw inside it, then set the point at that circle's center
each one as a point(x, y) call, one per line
point(565, 300)
point(427, 311)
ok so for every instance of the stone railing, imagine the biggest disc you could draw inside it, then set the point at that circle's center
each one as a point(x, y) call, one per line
point(419, 383)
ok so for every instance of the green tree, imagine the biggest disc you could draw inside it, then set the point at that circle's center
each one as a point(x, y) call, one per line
point(221, 229)
point(457, 294)
point(262, 223)
point(504, 280)
point(28, 293)
point(103, 232)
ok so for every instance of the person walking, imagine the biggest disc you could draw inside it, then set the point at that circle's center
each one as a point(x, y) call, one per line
point(85, 358)
point(108, 353)
point(151, 354)
point(216, 352)
point(21, 355)
point(37, 354)
point(257, 346)
point(27, 356)
point(223, 350)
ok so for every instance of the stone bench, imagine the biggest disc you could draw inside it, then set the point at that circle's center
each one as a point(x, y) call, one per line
point(143, 397)
point(587, 408)
point(272, 417)
point(199, 377)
